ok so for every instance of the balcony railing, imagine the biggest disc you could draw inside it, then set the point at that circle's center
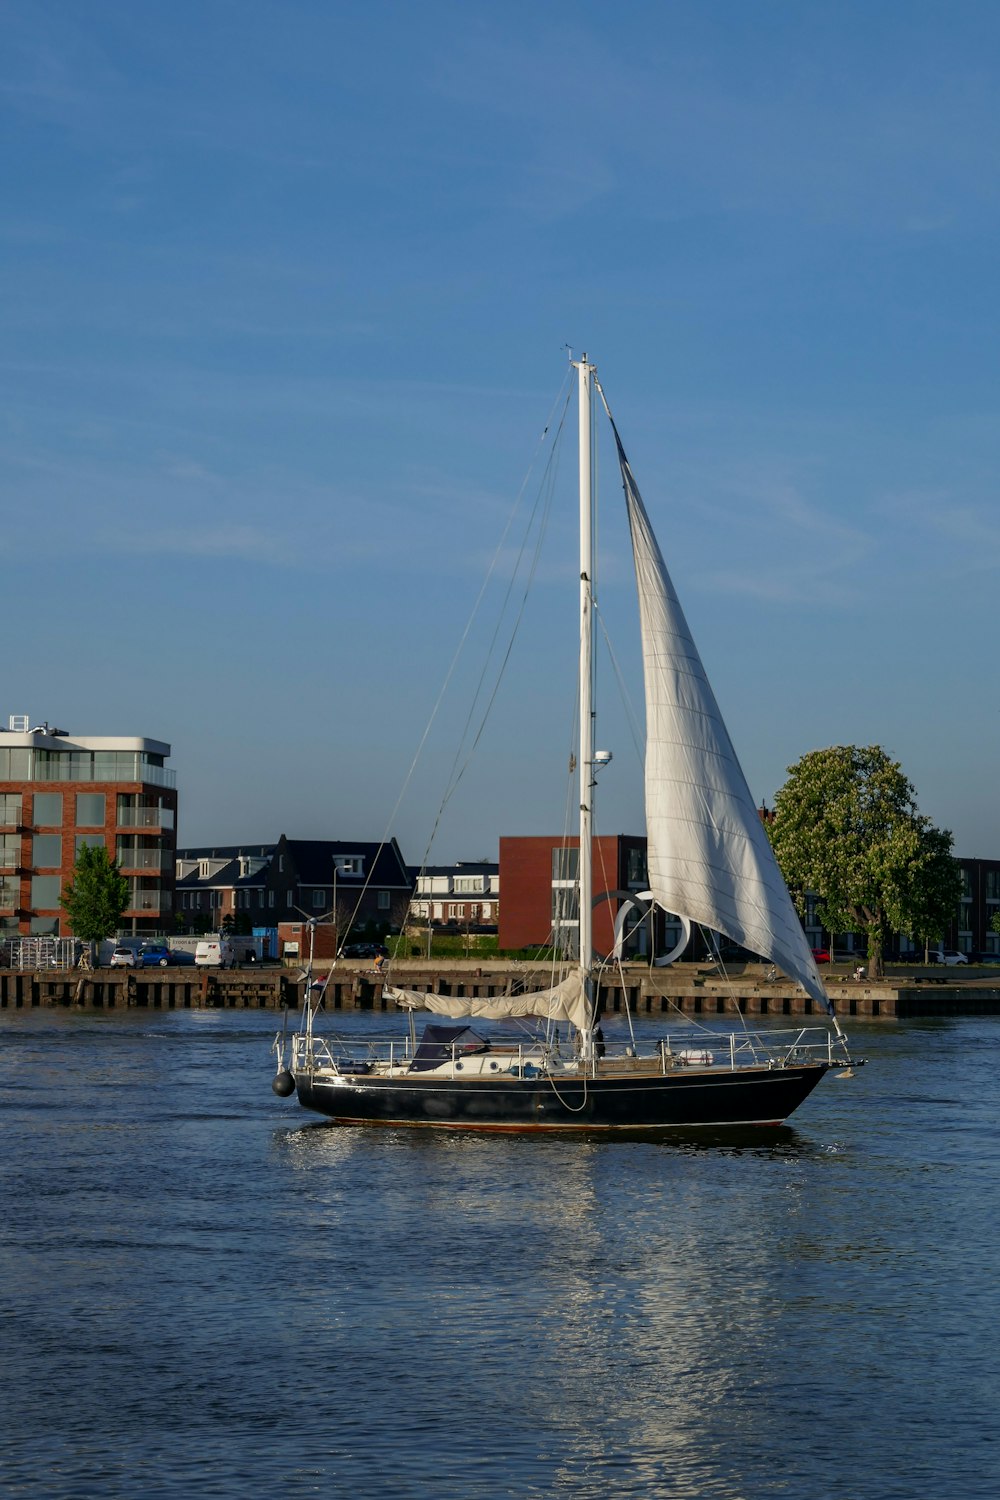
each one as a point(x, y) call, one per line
point(72, 768)
point(155, 860)
point(145, 817)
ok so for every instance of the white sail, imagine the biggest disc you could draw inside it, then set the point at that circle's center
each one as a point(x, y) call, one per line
point(710, 859)
point(565, 1002)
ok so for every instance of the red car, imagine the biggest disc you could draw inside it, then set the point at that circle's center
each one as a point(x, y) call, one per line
point(821, 955)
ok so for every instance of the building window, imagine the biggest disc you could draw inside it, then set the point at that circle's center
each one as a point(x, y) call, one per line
point(89, 841)
point(384, 899)
point(270, 898)
point(565, 863)
point(46, 850)
point(10, 809)
point(90, 809)
point(10, 892)
point(638, 877)
point(45, 891)
point(10, 851)
point(47, 809)
point(15, 765)
point(319, 898)
point(44, 926)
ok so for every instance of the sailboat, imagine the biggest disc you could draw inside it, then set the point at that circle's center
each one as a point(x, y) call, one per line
point(709, 862)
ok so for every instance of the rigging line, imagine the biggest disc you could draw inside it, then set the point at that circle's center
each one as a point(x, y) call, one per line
point(540, 513)
point(473, 613)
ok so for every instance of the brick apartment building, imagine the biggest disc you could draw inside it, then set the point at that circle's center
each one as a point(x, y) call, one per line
point(59, 791)
point(537, 878)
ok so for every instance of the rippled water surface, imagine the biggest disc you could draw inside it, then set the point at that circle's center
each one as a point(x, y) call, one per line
point(207, 1292)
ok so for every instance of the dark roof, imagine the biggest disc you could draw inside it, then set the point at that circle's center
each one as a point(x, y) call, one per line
point(229, 874)
point(313, 860)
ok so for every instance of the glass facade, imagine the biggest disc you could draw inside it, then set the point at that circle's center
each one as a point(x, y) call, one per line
point(89, 841)
point(84, 765)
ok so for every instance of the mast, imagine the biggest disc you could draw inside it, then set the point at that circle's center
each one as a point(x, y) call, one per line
point(585, 373)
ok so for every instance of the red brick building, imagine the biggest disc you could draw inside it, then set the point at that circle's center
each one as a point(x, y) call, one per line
point(60, 791)
point(537, 879)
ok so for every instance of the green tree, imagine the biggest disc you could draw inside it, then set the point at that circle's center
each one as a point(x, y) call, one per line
point(995, 921)
point(846, 827)
point(97, 895)
point(932, 890)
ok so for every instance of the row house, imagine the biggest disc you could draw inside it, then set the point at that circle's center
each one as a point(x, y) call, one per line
point(61, 791)
point(465, 896)
point(328, 887)
point(219, 882)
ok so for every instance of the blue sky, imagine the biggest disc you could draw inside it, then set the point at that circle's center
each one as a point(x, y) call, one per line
point(286, 294)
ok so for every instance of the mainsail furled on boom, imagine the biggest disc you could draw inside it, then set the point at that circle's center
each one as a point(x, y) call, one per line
point(564, 1002)
point(709, 856)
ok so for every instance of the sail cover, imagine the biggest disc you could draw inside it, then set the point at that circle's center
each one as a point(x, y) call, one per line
point(709, 856)
point(565, 1002)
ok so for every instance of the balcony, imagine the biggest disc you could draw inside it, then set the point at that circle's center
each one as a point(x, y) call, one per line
point(158, 818)
point(84, 769)
point(154, 860)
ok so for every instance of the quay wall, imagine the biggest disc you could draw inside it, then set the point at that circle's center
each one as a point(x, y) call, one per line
point(684, 990)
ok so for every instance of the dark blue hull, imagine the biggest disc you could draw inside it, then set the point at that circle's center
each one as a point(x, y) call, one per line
point(636, 1102)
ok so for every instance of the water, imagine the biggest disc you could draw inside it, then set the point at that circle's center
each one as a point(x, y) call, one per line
point(206, 1291)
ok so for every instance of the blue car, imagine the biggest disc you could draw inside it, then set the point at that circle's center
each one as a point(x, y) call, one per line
point(155, 955)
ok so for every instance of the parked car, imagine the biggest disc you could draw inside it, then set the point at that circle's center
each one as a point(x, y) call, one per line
point(152, 955)
point(124, 958)
point(364, 950)
point(947, 956)
point(820, 955)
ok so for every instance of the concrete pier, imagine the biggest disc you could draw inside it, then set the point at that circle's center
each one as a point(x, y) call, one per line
point(686, 990)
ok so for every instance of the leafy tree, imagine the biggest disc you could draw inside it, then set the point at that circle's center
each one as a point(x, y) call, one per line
point(995, 921)
point(97, 895)
point(846, 827)
point(933, 887)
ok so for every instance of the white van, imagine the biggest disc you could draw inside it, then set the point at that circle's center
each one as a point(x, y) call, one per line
point(226, 952)
point(217, 952)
